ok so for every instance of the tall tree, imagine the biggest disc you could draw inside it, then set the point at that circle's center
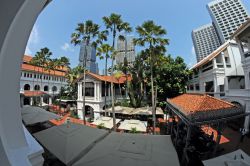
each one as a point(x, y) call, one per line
point(150, 36)
point(41, 59)
point(104, 51)
point(86, 33)
point(114, 24)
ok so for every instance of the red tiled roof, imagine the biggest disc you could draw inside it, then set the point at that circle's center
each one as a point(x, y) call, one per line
point(121, 80)
point(33, 93)
point(28, 58)
point(192, 103)
point(28, 67)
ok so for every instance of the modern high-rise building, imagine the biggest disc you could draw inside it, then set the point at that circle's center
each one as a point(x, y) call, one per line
point(125, 48)
point(205, 40)
point(227, 16)
point(90, 58)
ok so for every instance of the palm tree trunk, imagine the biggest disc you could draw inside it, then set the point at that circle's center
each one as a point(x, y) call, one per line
point(112, 84)
point(105, 93)
point(152, 91)
point(84, 85)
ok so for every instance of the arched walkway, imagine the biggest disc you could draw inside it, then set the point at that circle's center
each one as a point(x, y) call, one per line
point(89, 111)
point(26, 87)
point(46, 88)
point(54, 89)
point(37, 87)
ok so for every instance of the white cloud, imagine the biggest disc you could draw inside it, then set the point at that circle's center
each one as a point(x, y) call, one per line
point(67, 47)
point(33, 39)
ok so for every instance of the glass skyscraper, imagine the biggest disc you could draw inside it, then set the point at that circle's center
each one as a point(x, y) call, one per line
point(91, 64)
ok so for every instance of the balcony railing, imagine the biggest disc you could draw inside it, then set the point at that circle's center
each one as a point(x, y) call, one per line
point(238, 92)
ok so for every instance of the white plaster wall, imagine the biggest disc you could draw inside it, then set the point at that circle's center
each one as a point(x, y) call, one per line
point(17, 18)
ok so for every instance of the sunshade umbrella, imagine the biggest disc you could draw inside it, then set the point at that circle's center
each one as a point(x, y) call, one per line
point(106, 121)
point(147, 111)
point(32, 115)
point(132, 123)
point(131, 150)
point(236, 158)
point(69, 141)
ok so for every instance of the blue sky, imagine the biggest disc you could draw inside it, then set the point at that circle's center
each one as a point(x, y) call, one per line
point(59, 19)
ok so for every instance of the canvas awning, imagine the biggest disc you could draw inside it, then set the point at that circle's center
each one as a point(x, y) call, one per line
point(131, 150)
point(107, 122)
point(33, 115)
point(133, 123)
point(147, 111)
point(236, 158)
point(135, 111)
point(69, 142)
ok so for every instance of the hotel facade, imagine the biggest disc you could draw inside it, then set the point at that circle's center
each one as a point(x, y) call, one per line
point(37, 85)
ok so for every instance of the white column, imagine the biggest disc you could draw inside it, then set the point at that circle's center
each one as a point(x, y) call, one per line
point(50, 100)
point(223, 60)
point(15, 148)
point(31, 101)
point(214, 63)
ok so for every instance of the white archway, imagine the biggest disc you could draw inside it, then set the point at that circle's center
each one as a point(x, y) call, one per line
point(17, 19)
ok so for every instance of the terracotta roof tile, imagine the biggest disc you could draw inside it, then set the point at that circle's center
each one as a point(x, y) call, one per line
point(108, 78)
point(192, 103)
point(33, 93)
point(28, 67)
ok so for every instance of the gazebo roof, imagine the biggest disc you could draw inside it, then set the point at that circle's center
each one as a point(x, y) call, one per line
point(198, 108)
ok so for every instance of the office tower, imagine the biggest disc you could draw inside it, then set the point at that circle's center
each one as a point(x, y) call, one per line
point(227, 16)
point(121, 49)
point(205, 40)
point(90, 58)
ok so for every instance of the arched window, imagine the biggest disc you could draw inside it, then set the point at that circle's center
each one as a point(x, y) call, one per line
point(46, 88)
point(37, 87)
point(26, 87)
point(54, 88)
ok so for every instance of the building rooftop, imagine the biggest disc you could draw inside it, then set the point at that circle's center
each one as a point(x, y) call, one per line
point(211, 56)
point(121, 80)
point(201, 108)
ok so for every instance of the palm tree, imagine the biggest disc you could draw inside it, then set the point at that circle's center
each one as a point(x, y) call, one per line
point(151, 35)
point(115, 24)
point(118, 75)
point(41, 59)
point(85, 33)
point(105, 49)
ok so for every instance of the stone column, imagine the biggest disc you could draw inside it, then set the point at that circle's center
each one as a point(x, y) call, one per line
point(223, 60)
point(50, 100)
point(31, 101)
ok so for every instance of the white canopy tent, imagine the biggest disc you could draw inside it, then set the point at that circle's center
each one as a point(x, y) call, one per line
point(136, 111)
point(236, 158)
point(107, 122)
point(33, 115)
point(131, 150)
point(132, 123)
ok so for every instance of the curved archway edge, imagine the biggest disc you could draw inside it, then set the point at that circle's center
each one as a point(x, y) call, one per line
point(17, 20)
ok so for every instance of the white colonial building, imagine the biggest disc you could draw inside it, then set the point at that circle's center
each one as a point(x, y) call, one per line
point(95, 93)
point(38, 84)
point(222, 74)
point(242, 37)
